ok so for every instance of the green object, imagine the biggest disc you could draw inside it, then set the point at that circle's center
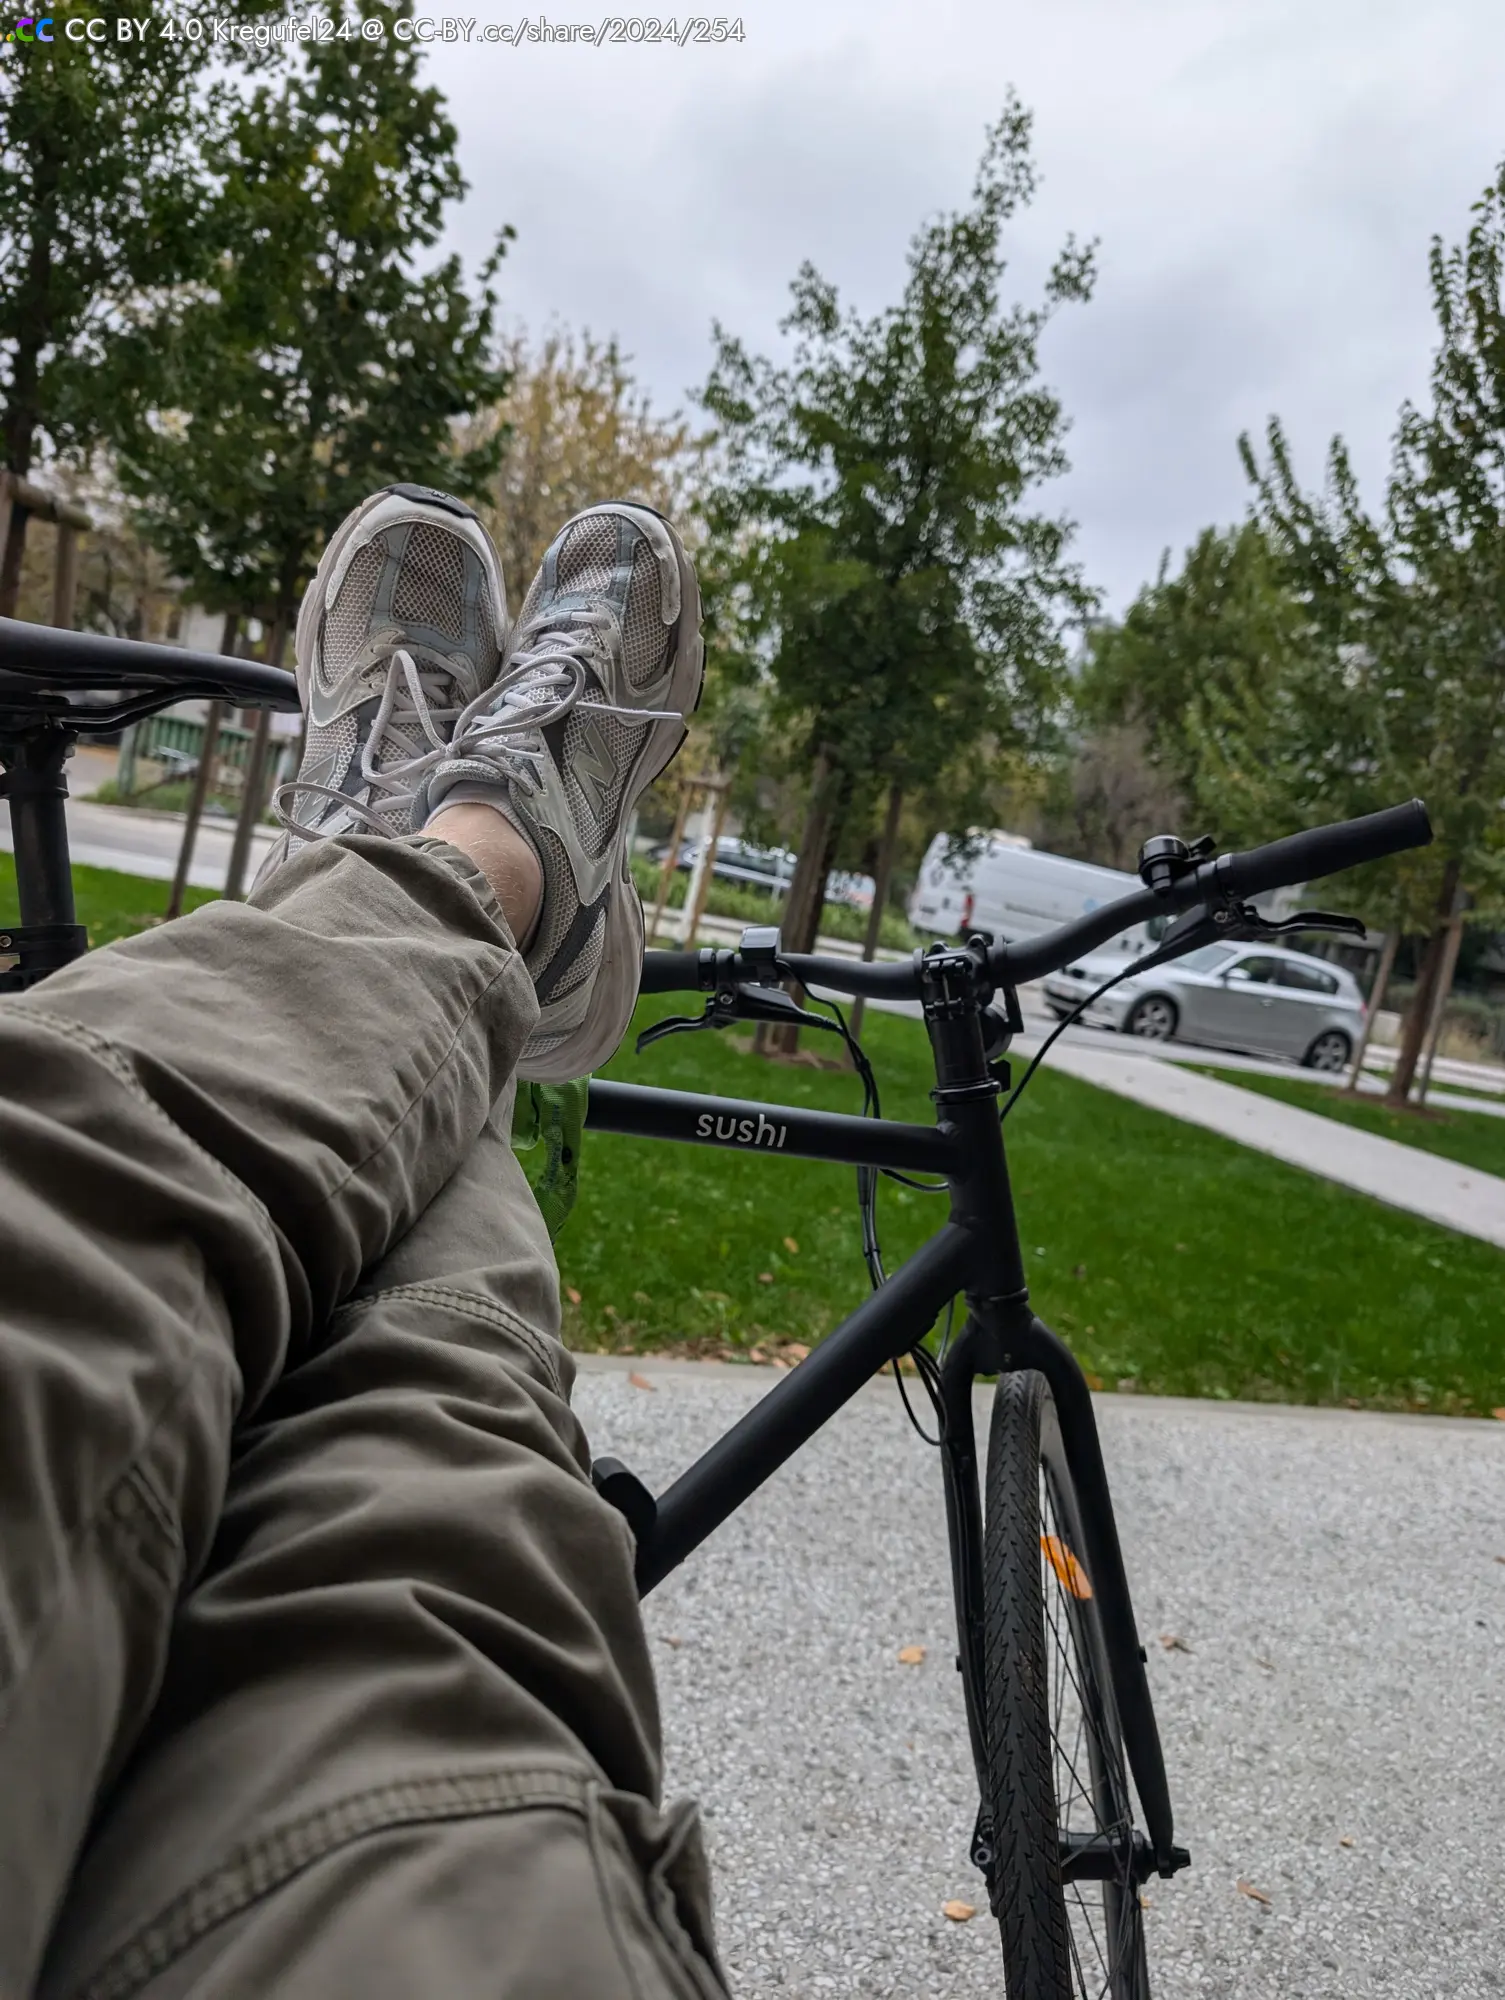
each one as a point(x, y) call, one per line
point(547, 1122)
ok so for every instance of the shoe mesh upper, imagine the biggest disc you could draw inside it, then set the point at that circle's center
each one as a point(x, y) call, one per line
point(430, 588)
point(588, 555)
point(348, 617)
point(645, 637)
point(428, 572)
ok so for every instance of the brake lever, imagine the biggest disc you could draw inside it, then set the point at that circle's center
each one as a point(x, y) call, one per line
point(673, 1024)
point(1240, 923)
point(1316, 920)
point(735, 1003)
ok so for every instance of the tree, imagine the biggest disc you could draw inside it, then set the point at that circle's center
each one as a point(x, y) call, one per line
point(1412, 607)
point(875, 555)
point(318, 361)
point(1222, 631)
point(1106, 797)
point(576, 430)
point(102, 193)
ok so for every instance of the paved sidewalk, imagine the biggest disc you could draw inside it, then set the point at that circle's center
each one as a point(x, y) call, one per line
point(139, 841)
point(1332, 1714)
point(1458, 1197)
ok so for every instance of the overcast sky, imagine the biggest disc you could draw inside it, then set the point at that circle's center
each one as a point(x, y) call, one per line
point(1263, 176)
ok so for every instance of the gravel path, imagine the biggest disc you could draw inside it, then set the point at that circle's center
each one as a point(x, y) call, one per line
point(1333, 1581)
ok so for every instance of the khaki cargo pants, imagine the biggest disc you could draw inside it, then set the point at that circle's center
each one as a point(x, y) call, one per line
point(321, 1667)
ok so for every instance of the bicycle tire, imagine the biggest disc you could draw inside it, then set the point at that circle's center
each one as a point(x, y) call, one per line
point(1046, 1697)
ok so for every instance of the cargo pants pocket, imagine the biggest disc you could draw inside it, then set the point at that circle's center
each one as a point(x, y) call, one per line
point(512, 1884)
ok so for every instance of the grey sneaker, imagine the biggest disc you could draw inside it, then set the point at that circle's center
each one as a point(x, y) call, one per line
point(603, 666)
point(400, 632)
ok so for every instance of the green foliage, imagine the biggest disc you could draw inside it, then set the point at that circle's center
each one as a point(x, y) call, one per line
point(319, 361)
point(1404, 689)
point(873, 559)
point(1221, 631)
point(102, 192)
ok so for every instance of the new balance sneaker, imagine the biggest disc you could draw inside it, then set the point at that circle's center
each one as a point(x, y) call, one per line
point(603, 666)
point(400, 631)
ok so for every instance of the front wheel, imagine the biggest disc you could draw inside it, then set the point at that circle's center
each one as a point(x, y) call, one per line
point(1065, 1855)
point(1330, 1051)
point(1153, 1019)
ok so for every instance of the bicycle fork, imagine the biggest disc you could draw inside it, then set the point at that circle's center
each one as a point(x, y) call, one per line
point(1002, 1335)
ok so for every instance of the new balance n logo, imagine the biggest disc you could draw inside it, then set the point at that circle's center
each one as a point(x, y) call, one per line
point(595, 769)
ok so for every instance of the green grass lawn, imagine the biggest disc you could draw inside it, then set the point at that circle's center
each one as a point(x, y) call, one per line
point(1173, 1260)
point(1471, 1138)
point(110, 905)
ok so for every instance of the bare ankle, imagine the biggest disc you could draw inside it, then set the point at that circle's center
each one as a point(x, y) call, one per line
point(504, 856)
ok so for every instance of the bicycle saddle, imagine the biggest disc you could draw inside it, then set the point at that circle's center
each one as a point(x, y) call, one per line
point(91, 684)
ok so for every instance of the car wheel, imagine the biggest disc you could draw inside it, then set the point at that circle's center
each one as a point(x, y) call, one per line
point(1331, 1051)
point(1153, 1019)
point(1059, 1012)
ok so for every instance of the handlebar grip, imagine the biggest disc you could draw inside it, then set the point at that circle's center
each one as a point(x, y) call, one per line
point(670, 972)
point(1325, 850)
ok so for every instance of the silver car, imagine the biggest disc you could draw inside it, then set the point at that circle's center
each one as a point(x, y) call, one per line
point(1258, 998)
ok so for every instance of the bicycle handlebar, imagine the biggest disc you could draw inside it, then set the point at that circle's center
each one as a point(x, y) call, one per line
point(1326, 850)
point(1301, 857)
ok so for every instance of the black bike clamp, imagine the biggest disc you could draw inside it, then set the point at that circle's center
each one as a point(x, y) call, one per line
point(28, 952)
point(746, 990)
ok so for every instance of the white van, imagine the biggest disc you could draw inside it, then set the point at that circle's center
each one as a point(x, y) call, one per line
point(1012, 890)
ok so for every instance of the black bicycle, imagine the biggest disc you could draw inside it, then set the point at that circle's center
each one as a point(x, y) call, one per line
point(1075, 1811)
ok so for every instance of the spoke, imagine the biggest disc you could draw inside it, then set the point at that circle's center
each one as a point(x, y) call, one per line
point(1085, 1791)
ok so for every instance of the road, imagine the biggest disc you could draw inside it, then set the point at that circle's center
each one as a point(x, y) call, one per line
point(1332, 1713)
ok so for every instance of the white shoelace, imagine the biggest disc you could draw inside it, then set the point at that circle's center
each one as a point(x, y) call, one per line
point(408, 696)
point(503, 728)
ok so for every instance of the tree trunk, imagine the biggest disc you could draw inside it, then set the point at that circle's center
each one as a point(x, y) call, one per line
point(1376, 1001)
point(10, 562)
point(251, 799)
point(807, 892)
point(882, 876)
point(671, 860)
point(1419, 1018)
point(33, 317)
point(702, 886)
point(203, 778)
point(201, 782)
point(1444, 988)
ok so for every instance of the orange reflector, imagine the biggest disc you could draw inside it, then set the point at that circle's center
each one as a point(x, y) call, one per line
point(1069, 1572)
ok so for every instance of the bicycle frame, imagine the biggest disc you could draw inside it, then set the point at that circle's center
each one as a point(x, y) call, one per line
point(976, 1254)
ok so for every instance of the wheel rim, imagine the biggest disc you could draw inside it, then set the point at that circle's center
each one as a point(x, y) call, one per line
point(1154, 1021)
point(1104, 1920)
point(1329, 1052)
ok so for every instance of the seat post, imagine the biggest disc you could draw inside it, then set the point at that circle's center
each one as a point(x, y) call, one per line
point(35, 787)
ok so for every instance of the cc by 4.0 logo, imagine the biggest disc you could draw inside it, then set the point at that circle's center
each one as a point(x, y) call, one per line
point(31, 28)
